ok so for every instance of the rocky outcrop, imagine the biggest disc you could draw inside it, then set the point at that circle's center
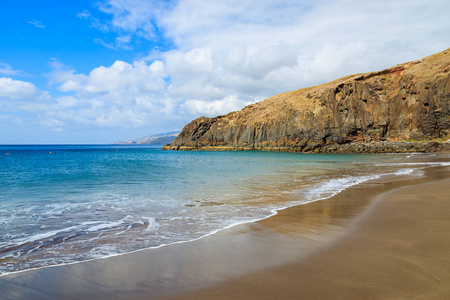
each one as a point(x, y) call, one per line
point(370, 112)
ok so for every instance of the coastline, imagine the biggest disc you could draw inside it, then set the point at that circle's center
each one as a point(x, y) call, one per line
point(348, 148)
point(399, 248)
point(252, 248)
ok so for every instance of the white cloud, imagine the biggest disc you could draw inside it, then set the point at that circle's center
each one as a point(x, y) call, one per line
point(85, 14)
point(66, 77)
point(123, 42)
point(187, 64)
point(120, 76)
point(213, 108)
point(120, 42)
point(105, 44)
point(121, 95)
point(16, 89)
point(7, 70)
point(38, 24)
point(133, 16)
point(227, 54)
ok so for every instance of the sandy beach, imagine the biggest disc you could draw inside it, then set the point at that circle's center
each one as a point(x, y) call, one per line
point(398, 249)
point(384, 239)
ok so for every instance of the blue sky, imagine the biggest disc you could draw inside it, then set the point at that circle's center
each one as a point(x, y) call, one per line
point(100, 71)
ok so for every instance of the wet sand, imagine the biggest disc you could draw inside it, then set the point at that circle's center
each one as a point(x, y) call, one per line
point(398, 249)
point(388, 238)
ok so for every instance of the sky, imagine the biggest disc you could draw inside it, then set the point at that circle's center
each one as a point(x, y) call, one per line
point(99, 71)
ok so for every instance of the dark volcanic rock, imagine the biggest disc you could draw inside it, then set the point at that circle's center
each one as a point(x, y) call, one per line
point(386, 111)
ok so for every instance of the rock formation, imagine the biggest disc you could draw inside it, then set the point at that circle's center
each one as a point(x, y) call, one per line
point(392, 110)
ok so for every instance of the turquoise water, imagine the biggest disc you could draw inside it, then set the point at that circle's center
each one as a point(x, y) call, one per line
point(63, 204)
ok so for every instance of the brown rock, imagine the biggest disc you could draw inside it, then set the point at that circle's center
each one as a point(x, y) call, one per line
point(408, 102)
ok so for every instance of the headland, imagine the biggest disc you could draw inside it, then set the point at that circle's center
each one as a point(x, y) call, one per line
point(404, 108)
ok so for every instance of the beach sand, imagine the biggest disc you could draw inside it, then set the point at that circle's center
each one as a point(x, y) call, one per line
point(398, 249)
point(384, 239)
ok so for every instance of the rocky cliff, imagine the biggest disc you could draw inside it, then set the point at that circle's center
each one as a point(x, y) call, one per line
point(387, 111)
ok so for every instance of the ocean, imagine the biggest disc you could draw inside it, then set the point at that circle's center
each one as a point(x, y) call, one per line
point(69, 203)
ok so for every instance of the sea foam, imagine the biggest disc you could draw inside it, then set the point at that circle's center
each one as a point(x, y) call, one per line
point(93, 204)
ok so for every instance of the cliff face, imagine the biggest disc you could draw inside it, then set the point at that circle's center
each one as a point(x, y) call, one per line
point(365, 111)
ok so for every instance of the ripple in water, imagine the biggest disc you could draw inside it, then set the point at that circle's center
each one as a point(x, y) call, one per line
point(80, 203)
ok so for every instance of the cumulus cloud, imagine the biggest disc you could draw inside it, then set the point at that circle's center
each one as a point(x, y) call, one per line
point(16, 89)
point(227, 54)
point(213, 108)
point(120, 76)
point(317, 40)
point(17, 97)
point(140, 93)
point(121, 95)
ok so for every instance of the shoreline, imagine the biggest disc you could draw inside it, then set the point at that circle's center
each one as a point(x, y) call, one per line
point(178, 268)
point(274, 212)
point(384, 254)
point(356, 147)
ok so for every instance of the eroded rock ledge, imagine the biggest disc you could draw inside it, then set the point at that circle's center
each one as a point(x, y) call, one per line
point(400, 109)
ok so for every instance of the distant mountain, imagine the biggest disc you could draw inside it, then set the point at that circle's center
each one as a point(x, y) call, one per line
point(156, 139)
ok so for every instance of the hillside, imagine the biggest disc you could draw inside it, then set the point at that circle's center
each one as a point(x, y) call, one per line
point(386, 111)
point(156, 139)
